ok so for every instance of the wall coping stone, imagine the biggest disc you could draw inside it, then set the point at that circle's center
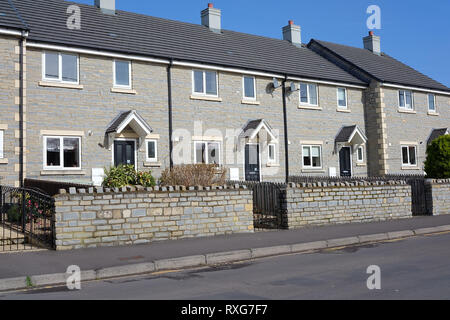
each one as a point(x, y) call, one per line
point(305, 185)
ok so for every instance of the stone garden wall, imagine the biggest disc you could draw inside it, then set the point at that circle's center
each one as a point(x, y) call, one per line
point(104, 217)
point(438, 196)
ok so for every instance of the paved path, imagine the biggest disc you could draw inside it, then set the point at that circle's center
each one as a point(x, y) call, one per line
point(416, 268)
point(47, 262)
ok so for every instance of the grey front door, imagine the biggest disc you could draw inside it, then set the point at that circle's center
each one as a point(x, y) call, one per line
point(345, 162)
point(124, 153)
point(252, 163)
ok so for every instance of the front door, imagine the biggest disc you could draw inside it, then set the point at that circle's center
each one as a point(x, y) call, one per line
point(124, 153)
point(252, 163)
point(345, 162)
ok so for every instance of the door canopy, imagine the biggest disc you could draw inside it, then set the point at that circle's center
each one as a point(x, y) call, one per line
point(253, 128)
point(351, 135)
point(130, 119)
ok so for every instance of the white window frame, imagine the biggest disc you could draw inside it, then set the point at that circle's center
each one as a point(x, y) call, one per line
point(434, 102)
point(2, 144)
point(130, 85)
point(207, 153)
point(44, 78)
point(204, 94)
point(155, 159)
point(405, 106)
point(346, 98)
point(362, 154)
point(274, 160)
point(308, 94)
point(409, 156)
point(61, 155)
point(310, 146)
point(243, 88)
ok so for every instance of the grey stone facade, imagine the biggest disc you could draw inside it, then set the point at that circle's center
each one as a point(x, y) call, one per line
point(438, 196)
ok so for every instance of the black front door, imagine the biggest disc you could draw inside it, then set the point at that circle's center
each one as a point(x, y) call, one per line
point(124, 153)
point(252, 163)
point(345, 162)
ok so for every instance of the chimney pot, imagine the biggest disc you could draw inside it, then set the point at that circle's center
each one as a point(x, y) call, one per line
point(291, 22)
point(370, 33)
point(293, 34)
point(212, 18)
point(210, 5)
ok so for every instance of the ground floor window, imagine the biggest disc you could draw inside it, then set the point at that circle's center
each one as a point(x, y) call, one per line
point(312, 156)
point(62, 153)
point(152, 151)
point(409, 155)
point(207, 152)
point(1, 144)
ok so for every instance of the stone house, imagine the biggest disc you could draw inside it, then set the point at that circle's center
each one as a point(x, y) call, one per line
point(127, 88)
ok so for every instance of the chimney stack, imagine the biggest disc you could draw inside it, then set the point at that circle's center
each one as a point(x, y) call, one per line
point(106, 6)
point(293, 34)
point(372, 43)
point(212, 18)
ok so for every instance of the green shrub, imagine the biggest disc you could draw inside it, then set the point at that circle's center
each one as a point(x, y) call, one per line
point(126, 175)
point(14, 214)
point(193, 175)
point(437, 165)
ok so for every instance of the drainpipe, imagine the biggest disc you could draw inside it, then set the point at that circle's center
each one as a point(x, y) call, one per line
point(286, 139)
point(21, 106)
point(169, 96)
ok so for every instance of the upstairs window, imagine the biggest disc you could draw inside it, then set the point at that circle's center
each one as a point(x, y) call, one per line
point(431, 103)
point(409, 155)
point(60, 67)
point(207, 152)
point(342, 98)
point(62, 153)
point(308, 94)
point(312, 157)
point(249, 88)
point(205, 83)
point(405, 99)
point(152, 151)
point(1, 144)
point(122, 74)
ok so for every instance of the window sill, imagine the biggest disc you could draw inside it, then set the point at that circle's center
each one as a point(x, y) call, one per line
point(309, 107)
point(361, 164)
point(343, 110)
point(410, 168)
point(313, 171)
point(206, 98)
point(431, 113)
point(63, 173)
point(152, 164)
point(251, 102)
point(122, 90)
point(3, 161)
point(407, 111)
point(60, 85)
point(273, 165)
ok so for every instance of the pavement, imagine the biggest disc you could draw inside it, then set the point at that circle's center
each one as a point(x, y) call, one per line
point(414, 268)
point(21, 270)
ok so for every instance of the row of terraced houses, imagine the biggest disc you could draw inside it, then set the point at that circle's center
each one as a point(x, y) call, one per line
point(125, 88)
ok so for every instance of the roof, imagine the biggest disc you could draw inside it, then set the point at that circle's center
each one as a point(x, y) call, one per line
point(124, 119)
point(436, 133)
point(346, 134)
point(9, 17)
point(138, 34)
point(383, 68)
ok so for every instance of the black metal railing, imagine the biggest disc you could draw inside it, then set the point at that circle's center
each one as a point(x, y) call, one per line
point(27, 219)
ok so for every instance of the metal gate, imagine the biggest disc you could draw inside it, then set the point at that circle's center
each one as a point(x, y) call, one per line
point(269, 205)
point(26, 219)
point(419, 199)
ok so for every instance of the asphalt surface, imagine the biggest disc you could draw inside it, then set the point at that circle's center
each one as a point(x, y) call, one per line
point(48, 262)
point(415, 268)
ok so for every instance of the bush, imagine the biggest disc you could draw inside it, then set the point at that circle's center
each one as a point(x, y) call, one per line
point(437, 165)
point(126, 175)
point(193, 175)
point(14, 214)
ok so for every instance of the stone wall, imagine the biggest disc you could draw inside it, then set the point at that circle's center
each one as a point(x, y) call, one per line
point(337, 203)
point(438, 196)
point(103, 217)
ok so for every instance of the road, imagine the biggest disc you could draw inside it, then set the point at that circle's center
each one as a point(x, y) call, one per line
point(416, 268)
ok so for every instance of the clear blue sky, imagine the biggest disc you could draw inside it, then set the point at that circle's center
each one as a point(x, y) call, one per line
point(415, 32)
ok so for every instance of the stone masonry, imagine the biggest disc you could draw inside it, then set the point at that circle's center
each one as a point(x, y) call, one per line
point(104, 217)
point(338, 203)
point(438, 196)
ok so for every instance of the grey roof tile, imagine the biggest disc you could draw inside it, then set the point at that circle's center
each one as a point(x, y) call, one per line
point(436, 133)
point(9, 17)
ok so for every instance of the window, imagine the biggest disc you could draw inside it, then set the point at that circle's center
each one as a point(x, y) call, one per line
point(431, 103)
point(312, 156)
point(360, 154)
point(207, 152)
point(61, 67)
point(249, 88)
point(62, 153)
point(409, 155)
point(122, 74)
point(152, 151)
point(342, 98)
point(1, 144)
point(271, 154)
point(308, 94)
point(405, 99)
point(205, 82)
